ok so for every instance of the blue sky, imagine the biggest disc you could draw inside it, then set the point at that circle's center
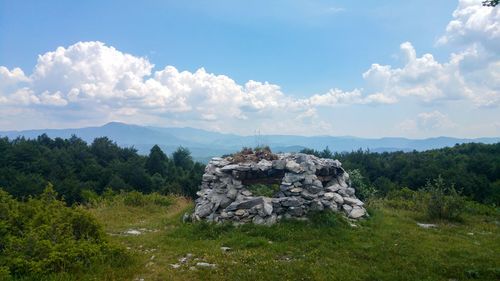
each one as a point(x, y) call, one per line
point(299, 67)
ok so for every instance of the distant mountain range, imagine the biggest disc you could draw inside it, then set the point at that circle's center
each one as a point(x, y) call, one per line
point(205, 144)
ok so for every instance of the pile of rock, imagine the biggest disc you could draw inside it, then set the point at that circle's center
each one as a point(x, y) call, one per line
point(307, 183)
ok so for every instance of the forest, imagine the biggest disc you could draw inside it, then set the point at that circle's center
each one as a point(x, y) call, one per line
point(473, 169)
point(79, 171)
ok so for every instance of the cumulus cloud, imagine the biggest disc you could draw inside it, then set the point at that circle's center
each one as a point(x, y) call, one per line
point(473, 23)
point(433, 121)
point(99, 80)
point(472, 74)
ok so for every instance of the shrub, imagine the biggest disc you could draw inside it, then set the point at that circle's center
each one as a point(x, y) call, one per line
point(444, 201)
point(363, 190)
point(264, 189)
point(43, 235)
point(407, 199)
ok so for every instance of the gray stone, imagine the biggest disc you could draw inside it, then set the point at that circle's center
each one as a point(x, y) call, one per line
point(232, 193)
point(279, 164)
point(329, 195)
point(204, 210)
point(317, 183)
point(290, 202)
point(250, 203)
point(308, 179)
point(229, 168)
point(271, 219)
point(333, 187)
point(241, 213)
point(350, 191)
point(316, 205)
point(258, 220)
point(205, 265)
point(208, 177)
point(357, 212)
point(347, 208)
point(313, 189)
point(307, 195)
point(353, 201)
point(246, 193)
point(264, 165)
point(225, 249)
point(293, 166)
point(291, 177)
point(338, 199)
point(267, 208)
point(296, 211)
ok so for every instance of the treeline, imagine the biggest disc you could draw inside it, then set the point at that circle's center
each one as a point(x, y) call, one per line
point(77, 169)
point(473, 169)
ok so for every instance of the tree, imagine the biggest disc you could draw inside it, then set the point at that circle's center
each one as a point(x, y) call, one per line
point(157, 161)
point(491, 3)
point(182, 158)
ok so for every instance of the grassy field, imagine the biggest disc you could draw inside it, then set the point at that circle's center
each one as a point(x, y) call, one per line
point(387, 246)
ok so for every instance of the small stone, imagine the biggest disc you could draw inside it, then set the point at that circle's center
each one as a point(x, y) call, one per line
point(293, 166)
point(258, 220)
point(290, 202)
point(247, 204)
point(307, 195)
point(314, 189)
point(246, 193)
point(268, 208)
point(329, 195)
point(333, 188)
point(296, 190)
point(338, 199)
point(353, 201)
point(347, 208)
point(296, 211)
point(317, 183)
point(279, 164)
point(240, 212)
point(205, 265)
point(316, 205)
point(133, 232)
point(357, 212)
point(225, 249)
point(186, 217)
point(426, 225)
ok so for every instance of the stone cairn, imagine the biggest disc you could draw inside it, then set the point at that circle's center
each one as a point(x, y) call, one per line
point(307, 183)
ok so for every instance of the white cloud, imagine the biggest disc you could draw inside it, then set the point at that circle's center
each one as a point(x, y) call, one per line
point(98, 83)
point(471, 74)
point(473, 23)
point(90, 78)
point(433, 122)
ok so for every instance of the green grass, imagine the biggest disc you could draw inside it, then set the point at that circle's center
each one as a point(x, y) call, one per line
point(387, 246)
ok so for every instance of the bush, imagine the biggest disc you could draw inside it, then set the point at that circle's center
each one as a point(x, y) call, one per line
point(364, 191)
point(436, 200)
point(444, 201)
point(264, 189)
point(132, 199)
point(43, 235)
point(407, 199)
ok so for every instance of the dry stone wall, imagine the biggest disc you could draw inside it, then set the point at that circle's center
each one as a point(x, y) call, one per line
point(307, 183)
